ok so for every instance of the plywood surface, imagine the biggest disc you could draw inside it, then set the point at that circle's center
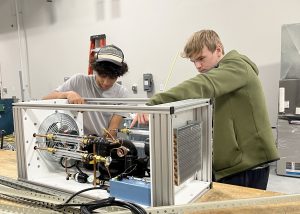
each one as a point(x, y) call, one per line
point(8, 164)
point(221, 192)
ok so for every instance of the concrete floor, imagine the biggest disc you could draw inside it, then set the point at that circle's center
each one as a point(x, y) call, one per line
point(283, 184)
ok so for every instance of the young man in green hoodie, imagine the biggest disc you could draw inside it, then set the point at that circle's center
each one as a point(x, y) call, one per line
point(243, 142)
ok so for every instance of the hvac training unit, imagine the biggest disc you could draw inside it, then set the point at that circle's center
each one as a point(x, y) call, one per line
point(289, 103)
point(167, 163)
point(289, 128)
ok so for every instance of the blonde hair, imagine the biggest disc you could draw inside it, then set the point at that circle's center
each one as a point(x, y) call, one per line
point(199, 40)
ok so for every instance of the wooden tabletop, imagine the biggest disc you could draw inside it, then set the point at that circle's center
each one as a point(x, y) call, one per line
point(8, 164)
point(219, 192)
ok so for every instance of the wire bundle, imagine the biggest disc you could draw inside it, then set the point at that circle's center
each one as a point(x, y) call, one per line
point(88, 208)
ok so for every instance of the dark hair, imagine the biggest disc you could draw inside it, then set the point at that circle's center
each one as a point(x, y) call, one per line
point(110, 69)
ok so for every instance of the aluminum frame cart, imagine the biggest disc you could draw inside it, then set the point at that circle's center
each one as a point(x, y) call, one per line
point(180, 141)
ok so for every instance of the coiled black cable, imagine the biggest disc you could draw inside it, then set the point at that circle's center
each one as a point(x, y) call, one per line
point(89, 207)
point(64, 166)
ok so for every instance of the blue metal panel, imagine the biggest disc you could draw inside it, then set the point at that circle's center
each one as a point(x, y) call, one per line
point(132, 190)
point(6, 116)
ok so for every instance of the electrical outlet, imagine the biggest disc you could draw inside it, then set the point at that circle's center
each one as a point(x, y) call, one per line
point(134, 88)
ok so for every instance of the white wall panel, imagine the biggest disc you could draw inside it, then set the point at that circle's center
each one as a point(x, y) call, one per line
point(150, 32)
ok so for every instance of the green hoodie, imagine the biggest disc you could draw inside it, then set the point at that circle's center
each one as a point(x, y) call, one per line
point(242, 136)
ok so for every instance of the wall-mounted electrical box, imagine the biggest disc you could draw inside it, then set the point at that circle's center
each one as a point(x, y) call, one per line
point(148, 82)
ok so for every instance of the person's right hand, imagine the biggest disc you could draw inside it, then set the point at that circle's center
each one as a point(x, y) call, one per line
point(74, 98)
point(141, 118)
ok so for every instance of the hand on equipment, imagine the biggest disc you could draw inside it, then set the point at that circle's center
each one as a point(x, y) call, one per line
point(141, 118)
point(75, 98)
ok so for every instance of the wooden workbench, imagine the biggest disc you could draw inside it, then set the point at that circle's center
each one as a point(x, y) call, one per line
point(219, 192)
point(8, 164)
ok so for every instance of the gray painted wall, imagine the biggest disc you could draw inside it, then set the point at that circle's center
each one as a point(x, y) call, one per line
point(54, 38)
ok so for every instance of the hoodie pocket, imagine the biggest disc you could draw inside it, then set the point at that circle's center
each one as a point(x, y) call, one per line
point(227, 152)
